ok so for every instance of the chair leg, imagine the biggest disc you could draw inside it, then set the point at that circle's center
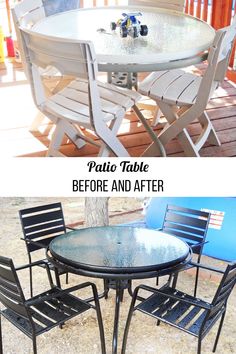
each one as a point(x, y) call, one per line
point(1, 346)
point(199, 345)
point(175, 279)
point(67, 278)
point(57, 277)
point(106, 289)
point(56, 140)
point(196, 282)
point(127, 326)
point(218, 332)
point(212, 137)
point(34, 344)
point(156, 117)
point(99, 319)
point(31, 281)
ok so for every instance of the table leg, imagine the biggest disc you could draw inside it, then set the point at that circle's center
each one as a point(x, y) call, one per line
point(119, 291)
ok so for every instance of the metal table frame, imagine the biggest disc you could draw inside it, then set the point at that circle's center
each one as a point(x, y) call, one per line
point(117, 281)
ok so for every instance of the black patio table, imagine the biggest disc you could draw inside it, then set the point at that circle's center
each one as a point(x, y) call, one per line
point(118, 254)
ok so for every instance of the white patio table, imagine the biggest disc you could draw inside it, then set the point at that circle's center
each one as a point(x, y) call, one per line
point(174, 39)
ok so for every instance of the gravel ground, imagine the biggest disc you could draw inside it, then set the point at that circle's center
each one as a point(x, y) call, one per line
point(80, 335)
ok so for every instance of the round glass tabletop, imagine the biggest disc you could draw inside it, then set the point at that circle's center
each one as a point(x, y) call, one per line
point(172, 35)
point(119, 249)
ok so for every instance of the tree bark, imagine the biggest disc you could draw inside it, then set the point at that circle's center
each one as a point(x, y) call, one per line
point(96, 212)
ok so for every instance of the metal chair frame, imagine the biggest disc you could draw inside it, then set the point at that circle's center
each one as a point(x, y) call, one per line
point(171, 306)
point(40, 225)
point(191, 226)
point(47, 310)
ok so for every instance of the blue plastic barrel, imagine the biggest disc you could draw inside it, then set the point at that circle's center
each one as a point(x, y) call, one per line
point(221, 235)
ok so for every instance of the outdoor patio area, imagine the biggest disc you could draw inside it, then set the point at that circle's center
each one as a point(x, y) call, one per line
point(80, 335)
point(21, 135)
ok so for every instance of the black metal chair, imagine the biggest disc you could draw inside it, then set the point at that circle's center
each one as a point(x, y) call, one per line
point(40, 226)
point(183, 311)
point(49, 309)
point(191, 226)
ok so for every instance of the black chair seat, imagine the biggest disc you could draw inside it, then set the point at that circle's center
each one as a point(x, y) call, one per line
point(44, 311)
point(48, 314)
point(185, 312)
point(180, 314)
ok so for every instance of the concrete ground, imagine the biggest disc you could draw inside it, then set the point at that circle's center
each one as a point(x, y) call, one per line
point(80, 335)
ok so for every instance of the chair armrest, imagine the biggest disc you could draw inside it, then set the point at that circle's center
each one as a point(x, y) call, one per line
point(194, 301)
point(36, 243)
point(44, 297)
point(33, 264)
point(71, 228)
point(203, 266)
point(38, 263)
point(199, 244)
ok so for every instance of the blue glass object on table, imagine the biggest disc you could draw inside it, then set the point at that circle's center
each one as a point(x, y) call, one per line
point(54, 6)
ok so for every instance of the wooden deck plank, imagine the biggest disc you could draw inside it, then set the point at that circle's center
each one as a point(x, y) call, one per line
point(18, 112)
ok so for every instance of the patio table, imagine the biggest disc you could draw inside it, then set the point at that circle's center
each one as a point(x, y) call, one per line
point(118, 254)
point(174, 39)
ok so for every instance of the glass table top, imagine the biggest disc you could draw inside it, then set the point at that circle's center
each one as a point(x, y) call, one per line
point(119, 249)
point(172, 35)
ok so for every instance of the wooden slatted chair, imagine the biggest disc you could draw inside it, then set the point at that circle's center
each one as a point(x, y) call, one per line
point(191, 226)
point(26, 13)
point(183, 97)
point(45, 311)
point(185, 312)
point(40, 225)
point(85, 102)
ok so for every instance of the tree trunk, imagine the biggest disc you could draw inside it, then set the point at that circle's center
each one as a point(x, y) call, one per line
point(96, 212)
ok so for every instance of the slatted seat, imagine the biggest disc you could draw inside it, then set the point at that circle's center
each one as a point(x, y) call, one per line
point(182, 97)
point(185, 312)
point(49, 309)
point(72, 102)
point(40, 225)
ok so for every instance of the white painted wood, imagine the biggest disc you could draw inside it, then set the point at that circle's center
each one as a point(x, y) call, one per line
point(177, 89)
point(84, 102)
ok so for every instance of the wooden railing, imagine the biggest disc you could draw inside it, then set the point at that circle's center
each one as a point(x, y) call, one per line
point(218, 13)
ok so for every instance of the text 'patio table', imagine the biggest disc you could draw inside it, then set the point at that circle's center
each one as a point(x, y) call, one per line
point(174, 39)
point(119, 254)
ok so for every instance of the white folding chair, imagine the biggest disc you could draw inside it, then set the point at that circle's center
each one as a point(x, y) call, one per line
point(26, 14)
point(85, 102)
point(182, 97)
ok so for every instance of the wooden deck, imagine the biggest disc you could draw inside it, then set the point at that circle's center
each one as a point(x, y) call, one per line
point(18, 137)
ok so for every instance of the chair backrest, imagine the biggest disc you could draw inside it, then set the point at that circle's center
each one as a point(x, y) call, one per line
point(188, 224)
point(218, 59)
point(70, 57)
point(223, 292)
point(177, 5)
point(11, 294)
point(27, 12)
point(42, 224)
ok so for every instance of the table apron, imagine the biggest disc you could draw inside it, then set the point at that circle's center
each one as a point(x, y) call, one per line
point(110, 67)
